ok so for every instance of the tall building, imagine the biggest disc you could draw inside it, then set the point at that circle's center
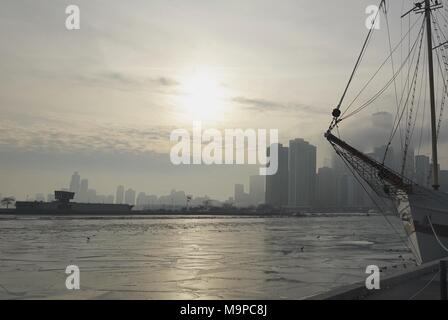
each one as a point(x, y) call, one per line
point(342, 188)
point(238, 194)
point(151, 202)
point(409, 167)
point(422, 170)
point(326, 188)
point(256, 190)
point(129, 197)
point(390, 160)
point(302, 173)
point(178, 198)
point(343, 180)
point(119, 197)
point(277, 184)
point(109, 199)
point(75, 183)
point(50, 197)
point(241, 197)
point(141, 200)
point(91, 196)
point(84, 187)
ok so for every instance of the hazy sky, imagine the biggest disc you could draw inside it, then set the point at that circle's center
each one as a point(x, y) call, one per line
point(103, 100)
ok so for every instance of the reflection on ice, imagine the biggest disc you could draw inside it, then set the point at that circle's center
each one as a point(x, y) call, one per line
point(192, 258)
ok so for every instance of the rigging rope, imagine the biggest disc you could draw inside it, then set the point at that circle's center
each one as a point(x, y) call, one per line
point(411, 109)
point(395, 83)
point(435, 234)
point(380, 209)
point(358, 62)
point(425, 286)
point(380, 92)
point(445, 62)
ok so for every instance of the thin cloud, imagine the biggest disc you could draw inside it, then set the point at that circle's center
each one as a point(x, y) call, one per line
point(125, 80)
point(273, 106)
point(44, 138)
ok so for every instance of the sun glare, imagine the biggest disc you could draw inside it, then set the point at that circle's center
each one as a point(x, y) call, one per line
point(203, 99)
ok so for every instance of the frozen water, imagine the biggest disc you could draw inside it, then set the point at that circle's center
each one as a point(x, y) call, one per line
point(193, 257)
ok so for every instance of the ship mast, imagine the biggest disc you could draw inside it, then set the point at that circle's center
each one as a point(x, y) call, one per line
point(435, 163)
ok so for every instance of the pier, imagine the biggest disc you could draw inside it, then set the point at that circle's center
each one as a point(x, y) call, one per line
point(420, 283)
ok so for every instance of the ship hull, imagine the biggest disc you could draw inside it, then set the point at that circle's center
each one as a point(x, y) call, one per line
point(425, 217)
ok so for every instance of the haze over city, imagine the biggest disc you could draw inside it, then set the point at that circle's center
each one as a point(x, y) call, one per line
point(103, 100)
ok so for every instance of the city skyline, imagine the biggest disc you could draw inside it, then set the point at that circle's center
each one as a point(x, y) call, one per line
point(107, 107)
point(299, 182)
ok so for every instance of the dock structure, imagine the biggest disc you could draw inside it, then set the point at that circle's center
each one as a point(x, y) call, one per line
point(419, 283)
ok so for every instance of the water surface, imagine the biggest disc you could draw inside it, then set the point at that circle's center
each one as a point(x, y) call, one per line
point(193, 257)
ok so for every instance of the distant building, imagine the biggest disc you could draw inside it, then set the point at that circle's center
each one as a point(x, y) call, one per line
point(422, 170)
point(342, 185)
point(40, 197)
point(256, 190)
point(75, 183)
point(326, 188)
point(119, 197)
point(241, 197)
point(239, 194)
point(141, 200)
point(409, 166)
point(390, 161)
point(350, 192)
point(129, 197)
point(177, 199)
point(277, 184)
point(302, 173)
point(91, 196)
point(50, 197)
point(81, 196)
point(109, 199)
point(151, 202)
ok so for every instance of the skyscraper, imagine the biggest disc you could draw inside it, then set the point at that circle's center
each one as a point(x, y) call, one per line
point(241, 197)
point(84, 187)
point(239, 194)
point(409, 166)
point(91, 196)
point(109, 199)
point(256, 190)
point(327, 195)
point(422, 170)
point(390, 160)
point(277, 184)
point(141, 200)
point(129, 197)
point(75, 183)
point(119, 198)
point(302, 173)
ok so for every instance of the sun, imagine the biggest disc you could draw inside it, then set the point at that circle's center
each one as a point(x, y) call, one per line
point(204, 96)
